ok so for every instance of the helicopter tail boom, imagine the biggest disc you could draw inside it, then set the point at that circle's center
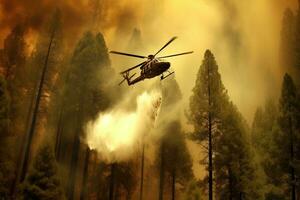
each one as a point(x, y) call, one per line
point(127, 78)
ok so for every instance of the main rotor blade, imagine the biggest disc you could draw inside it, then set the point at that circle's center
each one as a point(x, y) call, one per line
point(127, 70)
point(127, 54)
point(178, 54)
point(172, 39)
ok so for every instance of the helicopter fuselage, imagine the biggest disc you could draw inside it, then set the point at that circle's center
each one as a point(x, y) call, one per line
point(151, 70)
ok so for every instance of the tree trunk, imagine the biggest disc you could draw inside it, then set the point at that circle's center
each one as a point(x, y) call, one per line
point(35, 111)
point(210, 167)
point(58, 134)
point(292, 169)
point(112, 181)
point(230, 183)
point(162, 172)
point(75, 150)
point(241, 189)
point(142, 172)
point(173, 184)
point(23, 141)
point(73, 168)
point(210, 170)
point(85, 174)
point(60, 124)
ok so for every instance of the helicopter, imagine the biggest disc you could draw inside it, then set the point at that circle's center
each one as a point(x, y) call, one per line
point(152, 67)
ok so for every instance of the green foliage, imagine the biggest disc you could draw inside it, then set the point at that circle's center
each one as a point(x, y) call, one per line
point(42, 181)
point(208, 87)
point(177, 157)
point(208, 99)
point(6, 164)
point(234, 169)
point(126, 178)
point(84, 94)
point(192, 192)
point(173, 160)
point(288, 138)
point(288, 112)
point(13, 52)
point(265, 139)
point(48, 55)
point(14, 63)
point(89, 65)
point(275, 136)
point(4, 107)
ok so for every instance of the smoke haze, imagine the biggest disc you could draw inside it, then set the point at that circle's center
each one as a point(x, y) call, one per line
point(243, 35)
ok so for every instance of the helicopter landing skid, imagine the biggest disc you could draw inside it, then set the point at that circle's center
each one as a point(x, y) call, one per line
point(163, 77)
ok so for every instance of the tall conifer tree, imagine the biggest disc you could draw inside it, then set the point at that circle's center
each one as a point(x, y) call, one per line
point(288, 114)
point(206, 103)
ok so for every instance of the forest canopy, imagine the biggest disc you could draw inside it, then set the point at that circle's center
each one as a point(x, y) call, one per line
point(225, 126)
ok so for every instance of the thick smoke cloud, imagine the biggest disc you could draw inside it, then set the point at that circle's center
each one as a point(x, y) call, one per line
point(244, 36)
point(77, 15)
point(33, 14)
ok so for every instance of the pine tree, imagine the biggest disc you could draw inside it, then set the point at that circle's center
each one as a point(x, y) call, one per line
point(223, 133)
point(54, 26)
point(289, 110)
point(14, 52)
point(236, 169)
point(6, 162)
point(42, 181)
point(257, 128)
point(4, 107)
point(161, 163)
point(178, 164)
point(192, 192)
point(265, 140)
point(18, 72)
point(14, 63)
point(206, 104)
point(173, 160)
point(15, 70)
point(84, 97)
point(125, 179)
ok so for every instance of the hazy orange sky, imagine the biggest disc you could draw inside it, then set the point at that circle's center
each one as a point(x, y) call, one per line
point(243, 35)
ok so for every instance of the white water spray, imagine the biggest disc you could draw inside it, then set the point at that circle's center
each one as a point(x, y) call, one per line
point(116, 133)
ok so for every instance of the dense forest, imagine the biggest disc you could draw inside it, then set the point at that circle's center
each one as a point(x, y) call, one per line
point(48, 96)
